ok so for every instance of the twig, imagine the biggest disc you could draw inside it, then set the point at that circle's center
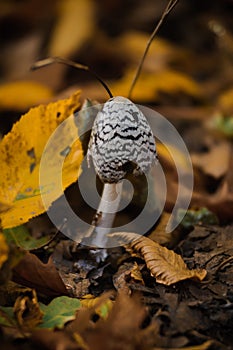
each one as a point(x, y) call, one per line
point(168, 9)
point(50, 60)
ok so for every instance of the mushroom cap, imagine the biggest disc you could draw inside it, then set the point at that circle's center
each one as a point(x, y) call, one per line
point(121, 141)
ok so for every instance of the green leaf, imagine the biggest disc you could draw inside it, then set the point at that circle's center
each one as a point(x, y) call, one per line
point(21, 236)
point(7, 317)
point(194, 217)
point(222, 124)
point(104, 309)
point(58, 312)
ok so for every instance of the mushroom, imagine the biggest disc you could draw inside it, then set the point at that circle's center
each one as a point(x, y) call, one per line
point(121, 142)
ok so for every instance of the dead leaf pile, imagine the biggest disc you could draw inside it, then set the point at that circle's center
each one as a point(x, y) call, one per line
point(58, 294)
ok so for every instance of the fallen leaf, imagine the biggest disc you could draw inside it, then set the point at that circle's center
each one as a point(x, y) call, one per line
point(219, 201)
point(27, 311)
point(7, 318)
point(215, 162)
point(59, 311)
point(102, 307)
point(21, 236)
point(150, 85)
point(164, 264)
point(225, 101)
point(20, 156)
point(45, 278)
point(122, 326)
point(75, 25)
point(4, 207)
point(21, 95)
point(133, 44)
point(127, 274)
point(216, 196)
point(4, 250)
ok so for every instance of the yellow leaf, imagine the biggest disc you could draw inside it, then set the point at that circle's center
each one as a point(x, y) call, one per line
point(4, 207)
point(164, 264)
point(161, 52)
point(20, 156)
point(80, 341)
point(226, 101)
point(172, 155)
point(103, 305)
point(4, 250)
point(75, 26)
point(21, 95)
point(149, 85)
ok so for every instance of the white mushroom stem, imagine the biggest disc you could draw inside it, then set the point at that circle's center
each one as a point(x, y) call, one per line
point(106, 212)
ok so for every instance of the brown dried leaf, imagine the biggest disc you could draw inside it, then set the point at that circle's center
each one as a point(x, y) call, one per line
point(27, 311)
point(122, 327)
point(221, 201)
point(127, 274)
point(218, 166)
point(164, 264)
point(43, 277)
point(215, 162)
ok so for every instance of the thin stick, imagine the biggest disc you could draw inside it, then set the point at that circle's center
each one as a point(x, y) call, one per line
point(51, 60)
point(168, 9)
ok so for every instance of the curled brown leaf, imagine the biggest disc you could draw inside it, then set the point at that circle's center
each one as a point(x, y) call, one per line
point(164, 264)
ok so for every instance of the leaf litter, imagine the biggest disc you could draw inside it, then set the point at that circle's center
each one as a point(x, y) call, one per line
point(153, 301)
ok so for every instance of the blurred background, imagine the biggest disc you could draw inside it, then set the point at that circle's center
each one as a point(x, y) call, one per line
point(189, 63)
